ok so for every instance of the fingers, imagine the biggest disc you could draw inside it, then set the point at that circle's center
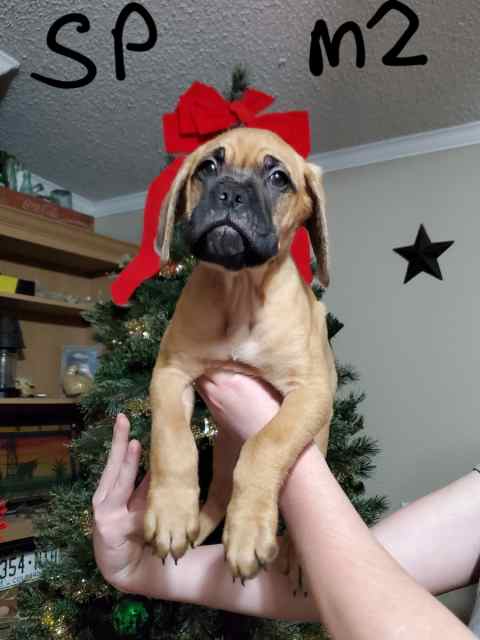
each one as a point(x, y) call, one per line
point(213, 385)
point(214, 378)
point(123, 487)
point(115, 459)
point(139, 496)
point(206, 386)
point(274, 393)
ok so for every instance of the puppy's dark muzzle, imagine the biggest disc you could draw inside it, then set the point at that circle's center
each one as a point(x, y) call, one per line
point(232, 226)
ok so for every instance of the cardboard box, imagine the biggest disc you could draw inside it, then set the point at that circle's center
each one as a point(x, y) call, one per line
point(44, 208)
point(10, 284)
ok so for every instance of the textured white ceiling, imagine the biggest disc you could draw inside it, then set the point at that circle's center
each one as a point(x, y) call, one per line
point(105, 139)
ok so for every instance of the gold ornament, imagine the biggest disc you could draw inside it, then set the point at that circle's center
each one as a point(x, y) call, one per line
point(208, 431)
point(84, 591)
point(86, 523)
point(138, 407)
point(62, 631)
point(81, 592)
point(135, 327)
point(56, 626)
point(168, 270)
point(47, 618)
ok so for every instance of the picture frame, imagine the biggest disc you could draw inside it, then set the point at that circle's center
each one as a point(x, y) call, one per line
point(34, 460)
point(82, 357)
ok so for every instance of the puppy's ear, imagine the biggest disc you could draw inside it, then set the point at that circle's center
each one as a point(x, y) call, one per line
point(173, 208)
point(316, 223)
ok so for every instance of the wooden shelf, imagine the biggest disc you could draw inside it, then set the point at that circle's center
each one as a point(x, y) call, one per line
point(35, 411)
point(18, 529)
point(33, 401)
point(18, 302)
point(38, 241)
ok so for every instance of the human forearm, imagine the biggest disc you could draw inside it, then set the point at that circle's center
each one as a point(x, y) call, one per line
point(360, 590)
point(435, 538)
point(203, 577)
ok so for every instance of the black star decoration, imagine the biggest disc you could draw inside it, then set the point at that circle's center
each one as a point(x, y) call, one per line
point(422, 256)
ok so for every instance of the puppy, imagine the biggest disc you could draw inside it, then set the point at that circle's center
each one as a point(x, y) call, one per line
point(245, 307)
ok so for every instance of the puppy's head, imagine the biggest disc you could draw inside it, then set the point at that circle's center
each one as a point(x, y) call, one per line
point(241, 197)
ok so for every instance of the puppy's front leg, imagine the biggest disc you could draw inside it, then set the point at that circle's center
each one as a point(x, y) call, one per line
point(251, 525)
point(171, 520)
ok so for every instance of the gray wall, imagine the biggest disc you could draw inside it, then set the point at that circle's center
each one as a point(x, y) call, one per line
point(122, 226)
point(415, 345)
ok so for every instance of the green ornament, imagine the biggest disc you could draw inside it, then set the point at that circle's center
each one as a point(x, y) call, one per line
point(130, 617)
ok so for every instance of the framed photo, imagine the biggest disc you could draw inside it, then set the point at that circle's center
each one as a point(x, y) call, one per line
point(34, 460)
point(82, 359)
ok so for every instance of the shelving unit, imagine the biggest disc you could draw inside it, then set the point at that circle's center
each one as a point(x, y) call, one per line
point(17, 302)
point(41, 402)
point(58, 246)
point(64, 258)
point(34, 411)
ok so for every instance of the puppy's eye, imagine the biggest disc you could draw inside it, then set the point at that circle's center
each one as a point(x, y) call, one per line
point(279, 179)
point(207, 168)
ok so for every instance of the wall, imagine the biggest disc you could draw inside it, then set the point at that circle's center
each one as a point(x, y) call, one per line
point(121, 226)
point(416, 346)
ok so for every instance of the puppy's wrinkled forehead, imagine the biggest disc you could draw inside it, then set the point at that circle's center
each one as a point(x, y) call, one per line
point(247, 148)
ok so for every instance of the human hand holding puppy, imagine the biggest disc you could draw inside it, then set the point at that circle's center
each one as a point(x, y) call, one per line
point(229, 396)
point(119, 508)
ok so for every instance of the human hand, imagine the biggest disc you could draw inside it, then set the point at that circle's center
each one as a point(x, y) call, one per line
point(119, 510)
point(240, 404)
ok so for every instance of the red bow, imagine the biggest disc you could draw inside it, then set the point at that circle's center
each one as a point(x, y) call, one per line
point(3, 511)
point(201, 114)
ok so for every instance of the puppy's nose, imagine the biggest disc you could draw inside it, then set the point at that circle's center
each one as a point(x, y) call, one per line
point(231, 194)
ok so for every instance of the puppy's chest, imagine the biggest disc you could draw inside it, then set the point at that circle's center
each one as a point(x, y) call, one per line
point(242, 329)
point(240, 318)
point(256, 350)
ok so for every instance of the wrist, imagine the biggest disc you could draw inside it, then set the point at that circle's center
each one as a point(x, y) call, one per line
point(307, 467)
point(132, 578)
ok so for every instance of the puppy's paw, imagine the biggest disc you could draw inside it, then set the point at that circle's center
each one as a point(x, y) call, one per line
point(249, 538)
point(171, 520)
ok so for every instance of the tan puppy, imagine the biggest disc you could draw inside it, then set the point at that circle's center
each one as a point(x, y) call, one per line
point(245, 307)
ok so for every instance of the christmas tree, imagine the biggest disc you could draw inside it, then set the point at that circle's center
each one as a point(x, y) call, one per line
point(72, 600)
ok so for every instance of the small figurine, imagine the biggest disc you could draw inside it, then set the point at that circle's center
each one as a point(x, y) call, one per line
point(25, 386)
point(77, 380)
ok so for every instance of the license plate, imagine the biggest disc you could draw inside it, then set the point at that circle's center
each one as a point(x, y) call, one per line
point(24, 566)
